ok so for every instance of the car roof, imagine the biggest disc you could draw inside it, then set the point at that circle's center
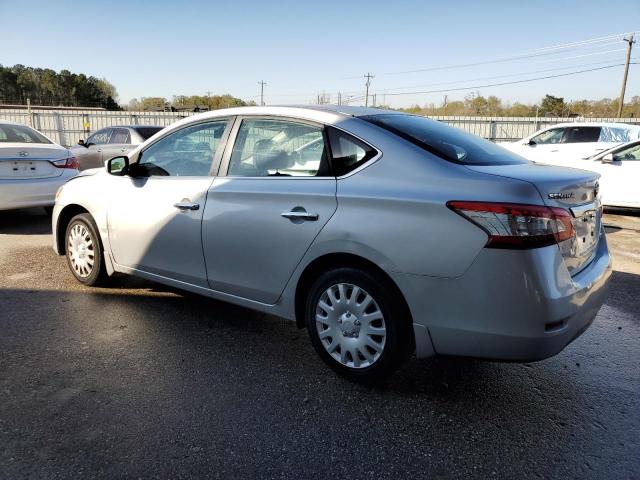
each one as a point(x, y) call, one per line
point(320, 113)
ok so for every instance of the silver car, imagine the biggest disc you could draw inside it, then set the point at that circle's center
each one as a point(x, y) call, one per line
point(110, 142)
point(32, 167)
point(382, 233)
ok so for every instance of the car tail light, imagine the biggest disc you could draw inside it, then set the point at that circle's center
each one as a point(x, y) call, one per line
point(71, 162)
point(512, 225)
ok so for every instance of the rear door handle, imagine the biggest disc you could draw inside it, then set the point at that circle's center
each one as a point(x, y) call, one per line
point(186, 205)
point(300, 215)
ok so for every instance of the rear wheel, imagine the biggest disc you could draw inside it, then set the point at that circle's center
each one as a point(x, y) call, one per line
point(357, 324)
point(84, 251)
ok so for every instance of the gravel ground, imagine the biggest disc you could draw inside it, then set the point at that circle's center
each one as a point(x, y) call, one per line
point(143, 381)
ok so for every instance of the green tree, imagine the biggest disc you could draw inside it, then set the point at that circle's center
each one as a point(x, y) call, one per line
point(552, 106)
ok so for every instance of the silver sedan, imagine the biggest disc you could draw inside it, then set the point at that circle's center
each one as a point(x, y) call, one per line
point(32, 167)
point(382, 233)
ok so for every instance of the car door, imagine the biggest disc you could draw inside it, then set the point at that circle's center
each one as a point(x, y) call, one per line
point(154, 218)
point(545, 146)
point(119, 144)
point(267, 206)
point(620, 181)
point(90, 155)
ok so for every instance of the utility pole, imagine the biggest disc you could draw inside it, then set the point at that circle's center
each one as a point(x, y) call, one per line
point(209, 99)
point(339, 98)
point(369, 77)
point(262, 83)
point(630, 41)
point(445, 104)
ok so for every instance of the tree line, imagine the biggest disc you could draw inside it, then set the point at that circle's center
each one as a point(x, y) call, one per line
point(186, 102)
point(43, 86)
point(475, 104)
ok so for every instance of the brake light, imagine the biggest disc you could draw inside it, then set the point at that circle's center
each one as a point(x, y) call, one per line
point(516, 226)
point(71, 162)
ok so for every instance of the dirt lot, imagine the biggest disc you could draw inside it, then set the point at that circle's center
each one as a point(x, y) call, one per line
point(142, 381)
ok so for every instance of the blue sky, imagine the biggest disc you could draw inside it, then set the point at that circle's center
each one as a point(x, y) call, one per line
point(301, 48)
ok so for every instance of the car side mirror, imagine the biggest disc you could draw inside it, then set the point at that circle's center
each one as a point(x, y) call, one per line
point(608, 158)
point(81, 142)
point(531, 143)
point(118, 166)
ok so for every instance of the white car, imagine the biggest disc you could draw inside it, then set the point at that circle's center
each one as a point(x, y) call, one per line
point(32, 167)
point(565, 142)
point(619, 168)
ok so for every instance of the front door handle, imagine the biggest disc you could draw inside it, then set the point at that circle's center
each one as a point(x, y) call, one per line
point(300, 215)
point(186, 205)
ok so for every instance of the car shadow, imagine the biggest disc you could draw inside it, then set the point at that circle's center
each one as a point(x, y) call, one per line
point(26, 221)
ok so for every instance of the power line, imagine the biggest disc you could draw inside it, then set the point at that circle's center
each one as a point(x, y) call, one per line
point(508, 83)
point(544, 51)
point(506, 75)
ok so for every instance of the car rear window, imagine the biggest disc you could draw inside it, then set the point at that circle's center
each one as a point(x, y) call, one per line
point(147, 132)
point(447, 142)
point(20, 134)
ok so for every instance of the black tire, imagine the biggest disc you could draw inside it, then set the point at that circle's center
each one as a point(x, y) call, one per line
point(398, 343)
point(97, 275)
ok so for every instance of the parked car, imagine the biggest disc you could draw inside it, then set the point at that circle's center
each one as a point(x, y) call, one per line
point(109, 142)
point(566, 142)
point(399, 234)
point(620, 170)
point(32, 167)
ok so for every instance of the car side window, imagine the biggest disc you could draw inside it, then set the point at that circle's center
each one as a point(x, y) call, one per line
point(582, 134)
point(186, 152)
point(630, 153)
point(347, 152)
point(120, 135)
point(549, 136)
point(276, 148)
point(100, 137)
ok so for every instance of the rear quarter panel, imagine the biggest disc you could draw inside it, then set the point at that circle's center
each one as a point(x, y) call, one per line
point(394, 211)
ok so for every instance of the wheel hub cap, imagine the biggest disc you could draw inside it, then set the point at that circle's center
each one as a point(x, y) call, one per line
point(350, 325)
point(80, 250)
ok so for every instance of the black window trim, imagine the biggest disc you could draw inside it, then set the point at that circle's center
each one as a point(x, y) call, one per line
point(215, 165)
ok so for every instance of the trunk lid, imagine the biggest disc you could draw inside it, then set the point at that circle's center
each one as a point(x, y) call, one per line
point(26, 161)
point(572, 189)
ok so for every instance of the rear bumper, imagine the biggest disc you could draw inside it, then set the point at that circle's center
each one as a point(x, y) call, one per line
point(38, 192)
point(510, 305)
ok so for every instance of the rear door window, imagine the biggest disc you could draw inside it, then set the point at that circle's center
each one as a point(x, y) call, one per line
point(581, 134)
point(278, 148)
point(120, 135)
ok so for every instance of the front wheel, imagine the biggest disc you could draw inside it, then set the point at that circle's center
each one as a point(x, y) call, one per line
point(358, 324)
point(84, 251)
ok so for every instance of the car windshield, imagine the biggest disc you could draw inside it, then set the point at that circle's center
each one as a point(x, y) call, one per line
point(20, 134)
point(447, 142)
point(147, 132)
